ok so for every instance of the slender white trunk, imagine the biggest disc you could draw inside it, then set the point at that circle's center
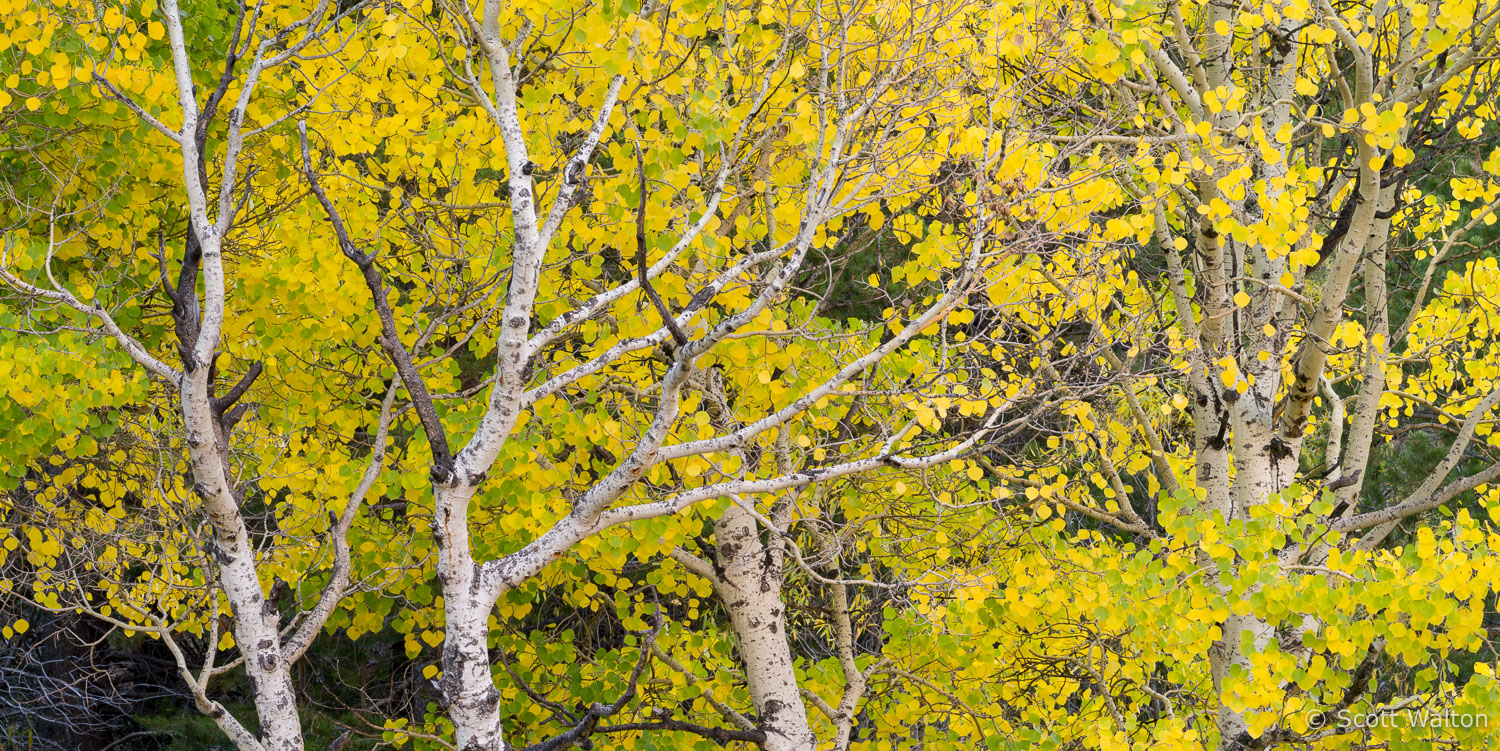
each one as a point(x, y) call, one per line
point(1256, 481)
point(468, 685)
point(750, 588)
point(256, 621)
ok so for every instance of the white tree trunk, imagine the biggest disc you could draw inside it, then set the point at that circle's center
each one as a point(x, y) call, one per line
point(750, 588)
point(468, 685)
point(257, 627)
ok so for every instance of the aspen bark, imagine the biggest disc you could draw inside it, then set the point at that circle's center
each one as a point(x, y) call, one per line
point(750, 589)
